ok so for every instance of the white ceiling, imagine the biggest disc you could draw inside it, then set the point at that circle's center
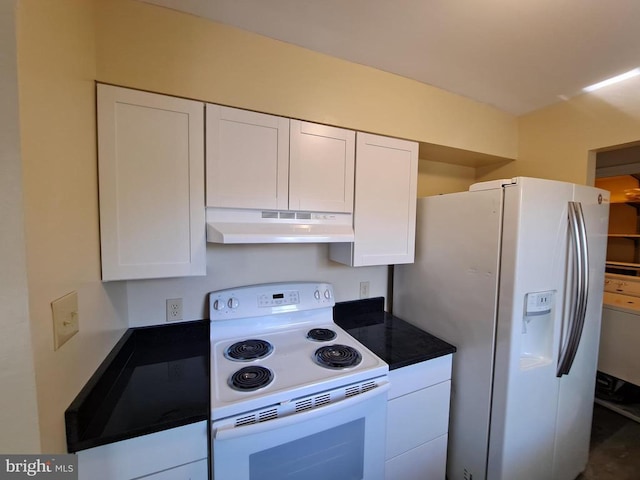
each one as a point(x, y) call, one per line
point(517, 55)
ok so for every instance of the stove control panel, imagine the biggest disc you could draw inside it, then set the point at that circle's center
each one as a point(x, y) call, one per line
point(270, 298)
point(220, 304)
point(319, 294)
point(285, 297)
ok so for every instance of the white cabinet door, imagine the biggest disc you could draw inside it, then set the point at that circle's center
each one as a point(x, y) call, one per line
point(261, 161)
point(321, 168)
point(384, 213)
point(151, 176)
point(150, 454)
point(247, 159)
point(417, 418)
point(191, 471)
point(425, 462)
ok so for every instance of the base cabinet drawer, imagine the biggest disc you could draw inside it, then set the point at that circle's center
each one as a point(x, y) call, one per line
point(192, 471)
point(417, 418)
point(425, 462)
point(178, 454)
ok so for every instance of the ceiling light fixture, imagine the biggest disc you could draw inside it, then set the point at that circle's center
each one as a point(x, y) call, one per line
point(616, 79)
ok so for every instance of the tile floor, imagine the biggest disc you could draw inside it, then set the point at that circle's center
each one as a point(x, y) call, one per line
point(615, 447)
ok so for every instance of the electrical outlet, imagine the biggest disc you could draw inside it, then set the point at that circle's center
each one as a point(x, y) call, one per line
point(364, 289)
point(174, 309)
point(66, 321)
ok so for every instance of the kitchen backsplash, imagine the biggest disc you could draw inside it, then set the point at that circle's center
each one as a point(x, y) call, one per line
point(235, 265)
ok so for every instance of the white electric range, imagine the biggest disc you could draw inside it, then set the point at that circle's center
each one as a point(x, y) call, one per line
point(285, 379)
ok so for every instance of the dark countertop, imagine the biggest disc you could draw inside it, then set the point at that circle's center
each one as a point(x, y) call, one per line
point(394, 340)
point(155, 378)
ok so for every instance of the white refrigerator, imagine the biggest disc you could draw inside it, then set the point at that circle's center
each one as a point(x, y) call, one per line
point(511, 273)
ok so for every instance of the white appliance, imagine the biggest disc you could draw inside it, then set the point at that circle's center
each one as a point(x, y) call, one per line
point(511, 273)
point(235, 225)
point(620, 332)
point(293, 395)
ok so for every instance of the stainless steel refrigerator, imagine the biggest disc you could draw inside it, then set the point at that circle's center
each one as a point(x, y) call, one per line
point(511, 272)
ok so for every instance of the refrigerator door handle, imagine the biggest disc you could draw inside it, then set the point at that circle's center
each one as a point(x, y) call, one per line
point(578, 308)
point(572, 291)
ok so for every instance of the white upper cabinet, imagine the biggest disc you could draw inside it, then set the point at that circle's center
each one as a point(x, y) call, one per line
point(261, 161)
point(321, 168)
point(151, 178)
point(247, 159)
point(385, 203)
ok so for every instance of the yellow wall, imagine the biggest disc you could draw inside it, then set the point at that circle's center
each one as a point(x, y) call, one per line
point(56, 71)
point(147, 47)
point(435, 178)
point(19, 429)
point(555, 142)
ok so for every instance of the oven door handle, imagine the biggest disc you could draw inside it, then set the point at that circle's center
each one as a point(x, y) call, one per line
point(233, 432)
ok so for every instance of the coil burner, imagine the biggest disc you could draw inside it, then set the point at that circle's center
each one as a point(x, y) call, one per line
point(249, 379)
point(248, 350)
point(321, 334)
point(337, 356)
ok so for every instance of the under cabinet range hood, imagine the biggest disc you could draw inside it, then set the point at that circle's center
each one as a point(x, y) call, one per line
point(229, 225)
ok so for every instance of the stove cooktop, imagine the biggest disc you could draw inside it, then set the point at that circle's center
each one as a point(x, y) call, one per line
point(283, 358)
point(293, 366)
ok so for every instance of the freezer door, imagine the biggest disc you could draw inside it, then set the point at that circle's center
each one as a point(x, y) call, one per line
point(575, 403)
point(451, 291)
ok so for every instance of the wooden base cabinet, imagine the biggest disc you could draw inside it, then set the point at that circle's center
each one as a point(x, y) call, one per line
point(418, 421)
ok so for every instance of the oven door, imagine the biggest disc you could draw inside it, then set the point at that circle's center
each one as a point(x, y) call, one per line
point(343, 440)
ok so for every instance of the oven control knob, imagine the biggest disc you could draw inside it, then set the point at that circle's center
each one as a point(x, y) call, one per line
point(233, 303)
point(327, 294)
point(317, 294)
point(218, 305)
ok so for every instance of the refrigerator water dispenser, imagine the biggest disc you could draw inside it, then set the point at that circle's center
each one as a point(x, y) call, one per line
point(537, 329)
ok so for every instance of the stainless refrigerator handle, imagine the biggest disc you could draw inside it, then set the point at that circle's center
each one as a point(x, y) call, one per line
point(573, 299)
point(578, 233)
point(584, 291)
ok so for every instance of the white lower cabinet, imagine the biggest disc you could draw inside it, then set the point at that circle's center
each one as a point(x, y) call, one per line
point(178, 454)
point(424, 462)
point(418, 421)
point(191, 471)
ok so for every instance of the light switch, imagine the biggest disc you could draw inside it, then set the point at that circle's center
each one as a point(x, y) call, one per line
point(65, 318)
